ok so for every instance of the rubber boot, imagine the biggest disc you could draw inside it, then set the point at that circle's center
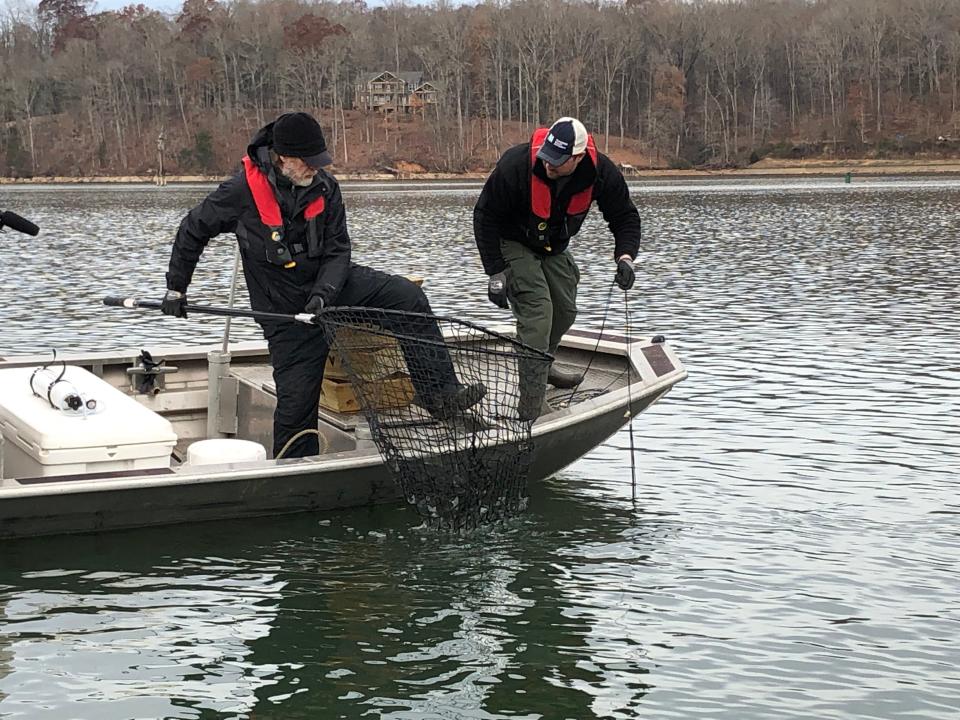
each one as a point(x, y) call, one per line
point(463, 398)
point(564, 379)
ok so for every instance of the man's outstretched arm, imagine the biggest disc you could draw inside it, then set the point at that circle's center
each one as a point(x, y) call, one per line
point(621, 215)
point(217, 213)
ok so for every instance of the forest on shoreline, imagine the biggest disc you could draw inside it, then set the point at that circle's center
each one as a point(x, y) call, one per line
point(663, 84)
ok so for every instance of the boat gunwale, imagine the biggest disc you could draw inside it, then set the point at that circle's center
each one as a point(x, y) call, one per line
point(347, 459)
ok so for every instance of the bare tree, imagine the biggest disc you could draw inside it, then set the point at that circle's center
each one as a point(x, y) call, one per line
point(680, 78)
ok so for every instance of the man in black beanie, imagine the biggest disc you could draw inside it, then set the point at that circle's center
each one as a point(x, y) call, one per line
point(289, 219)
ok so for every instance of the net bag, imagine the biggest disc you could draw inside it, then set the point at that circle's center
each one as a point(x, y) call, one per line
point(450, 406)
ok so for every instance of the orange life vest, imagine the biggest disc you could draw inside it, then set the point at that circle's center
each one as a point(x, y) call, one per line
point(540, 191)
point(269, 210)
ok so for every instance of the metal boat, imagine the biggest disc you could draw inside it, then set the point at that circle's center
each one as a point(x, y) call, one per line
point(69, 470)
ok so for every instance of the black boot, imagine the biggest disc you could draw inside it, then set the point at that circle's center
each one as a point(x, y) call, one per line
point(564, 379)
point(533, 402)
point(528, 410)
point(466, 397)
point(463, 398)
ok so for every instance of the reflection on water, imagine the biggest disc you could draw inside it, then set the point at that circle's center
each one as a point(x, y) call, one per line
point(141, 643)
point(334, 614)
point(792, 552)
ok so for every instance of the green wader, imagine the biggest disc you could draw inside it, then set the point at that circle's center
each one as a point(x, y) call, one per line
point(543, 296)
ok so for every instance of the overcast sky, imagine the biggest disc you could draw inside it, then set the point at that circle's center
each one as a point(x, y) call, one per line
point(162, 5)
point(167, 6)
point(101, 5)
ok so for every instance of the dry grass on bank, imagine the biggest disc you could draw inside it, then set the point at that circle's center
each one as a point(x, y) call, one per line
point(385, 148)
point(410, 171)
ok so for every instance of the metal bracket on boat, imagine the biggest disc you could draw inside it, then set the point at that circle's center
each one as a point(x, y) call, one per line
point(363, 436)
point(222, 396)
point(147, 378)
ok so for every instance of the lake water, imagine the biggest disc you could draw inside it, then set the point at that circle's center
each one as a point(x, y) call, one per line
point(792, 552)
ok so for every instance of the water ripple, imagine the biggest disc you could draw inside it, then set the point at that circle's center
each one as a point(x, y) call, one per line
point(784, 545)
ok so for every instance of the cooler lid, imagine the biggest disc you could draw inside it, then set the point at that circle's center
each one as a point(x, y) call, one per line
point(118, 420)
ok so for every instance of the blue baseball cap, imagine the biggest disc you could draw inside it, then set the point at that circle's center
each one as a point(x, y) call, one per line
point(567, 137)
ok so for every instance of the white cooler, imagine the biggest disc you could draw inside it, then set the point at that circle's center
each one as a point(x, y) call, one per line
point(40, 440)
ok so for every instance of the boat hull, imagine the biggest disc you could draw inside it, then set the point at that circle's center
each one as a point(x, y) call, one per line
point(338, 480)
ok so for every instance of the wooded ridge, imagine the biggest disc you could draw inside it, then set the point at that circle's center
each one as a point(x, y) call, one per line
point(662, 83)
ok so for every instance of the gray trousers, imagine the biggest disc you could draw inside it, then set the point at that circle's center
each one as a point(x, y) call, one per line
point(543, 294)
point(542, 290)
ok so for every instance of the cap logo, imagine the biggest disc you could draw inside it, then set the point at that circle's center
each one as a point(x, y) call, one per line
point(560, 144)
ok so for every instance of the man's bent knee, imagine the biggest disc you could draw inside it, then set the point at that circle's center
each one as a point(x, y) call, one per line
point(401, 293)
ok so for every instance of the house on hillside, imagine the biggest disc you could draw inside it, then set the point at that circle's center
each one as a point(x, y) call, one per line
point(386, 91)
point(423, 95)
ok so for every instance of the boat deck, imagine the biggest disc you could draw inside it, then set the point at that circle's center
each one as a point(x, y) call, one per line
point(603, 375)
point(257, 400)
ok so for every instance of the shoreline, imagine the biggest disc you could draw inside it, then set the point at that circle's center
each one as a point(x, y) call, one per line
point(763, 168)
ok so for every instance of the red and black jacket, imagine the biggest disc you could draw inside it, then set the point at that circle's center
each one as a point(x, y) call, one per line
point(546, 226)
point(518, 200)
point(277, 251)
point(293, 241)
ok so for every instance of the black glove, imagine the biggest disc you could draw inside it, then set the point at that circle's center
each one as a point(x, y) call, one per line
point(625, 275)
point(174, 303)
point(314, 305)
point(497, 290)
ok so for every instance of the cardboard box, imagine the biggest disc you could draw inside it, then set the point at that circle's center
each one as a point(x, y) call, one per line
point(374, 356)
point(378, 362)
point(391, 392)
point(371, 355)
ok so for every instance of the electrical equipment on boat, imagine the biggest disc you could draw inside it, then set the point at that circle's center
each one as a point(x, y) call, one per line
point(44, 436)
point(51, 383)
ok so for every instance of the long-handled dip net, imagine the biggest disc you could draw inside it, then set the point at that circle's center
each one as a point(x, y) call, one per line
point(449, 404)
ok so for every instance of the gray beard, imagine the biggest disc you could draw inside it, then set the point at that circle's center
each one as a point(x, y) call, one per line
point(302, 182)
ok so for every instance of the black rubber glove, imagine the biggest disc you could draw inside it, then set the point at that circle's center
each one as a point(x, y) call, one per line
point(314, 305)
point(625, 275)
point(497, 290)
point(174, 303)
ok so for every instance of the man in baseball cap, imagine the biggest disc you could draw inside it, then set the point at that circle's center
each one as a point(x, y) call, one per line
point(566, 138)
point(533, 203)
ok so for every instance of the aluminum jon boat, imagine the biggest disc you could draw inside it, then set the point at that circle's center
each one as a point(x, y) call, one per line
point(182, 434)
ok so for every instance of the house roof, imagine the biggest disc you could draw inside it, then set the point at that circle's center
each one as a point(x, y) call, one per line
point(368, 76)
point(412, 79)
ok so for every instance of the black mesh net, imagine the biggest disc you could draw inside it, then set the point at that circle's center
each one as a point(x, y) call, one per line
point(450, 406)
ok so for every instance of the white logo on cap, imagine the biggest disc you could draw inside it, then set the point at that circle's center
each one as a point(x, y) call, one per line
point(557, 141)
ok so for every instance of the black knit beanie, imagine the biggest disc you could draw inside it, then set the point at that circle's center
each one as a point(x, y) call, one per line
point(299, 135)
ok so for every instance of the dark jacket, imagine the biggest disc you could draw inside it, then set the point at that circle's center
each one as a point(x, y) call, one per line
point(322, 263)
point(503, 210)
